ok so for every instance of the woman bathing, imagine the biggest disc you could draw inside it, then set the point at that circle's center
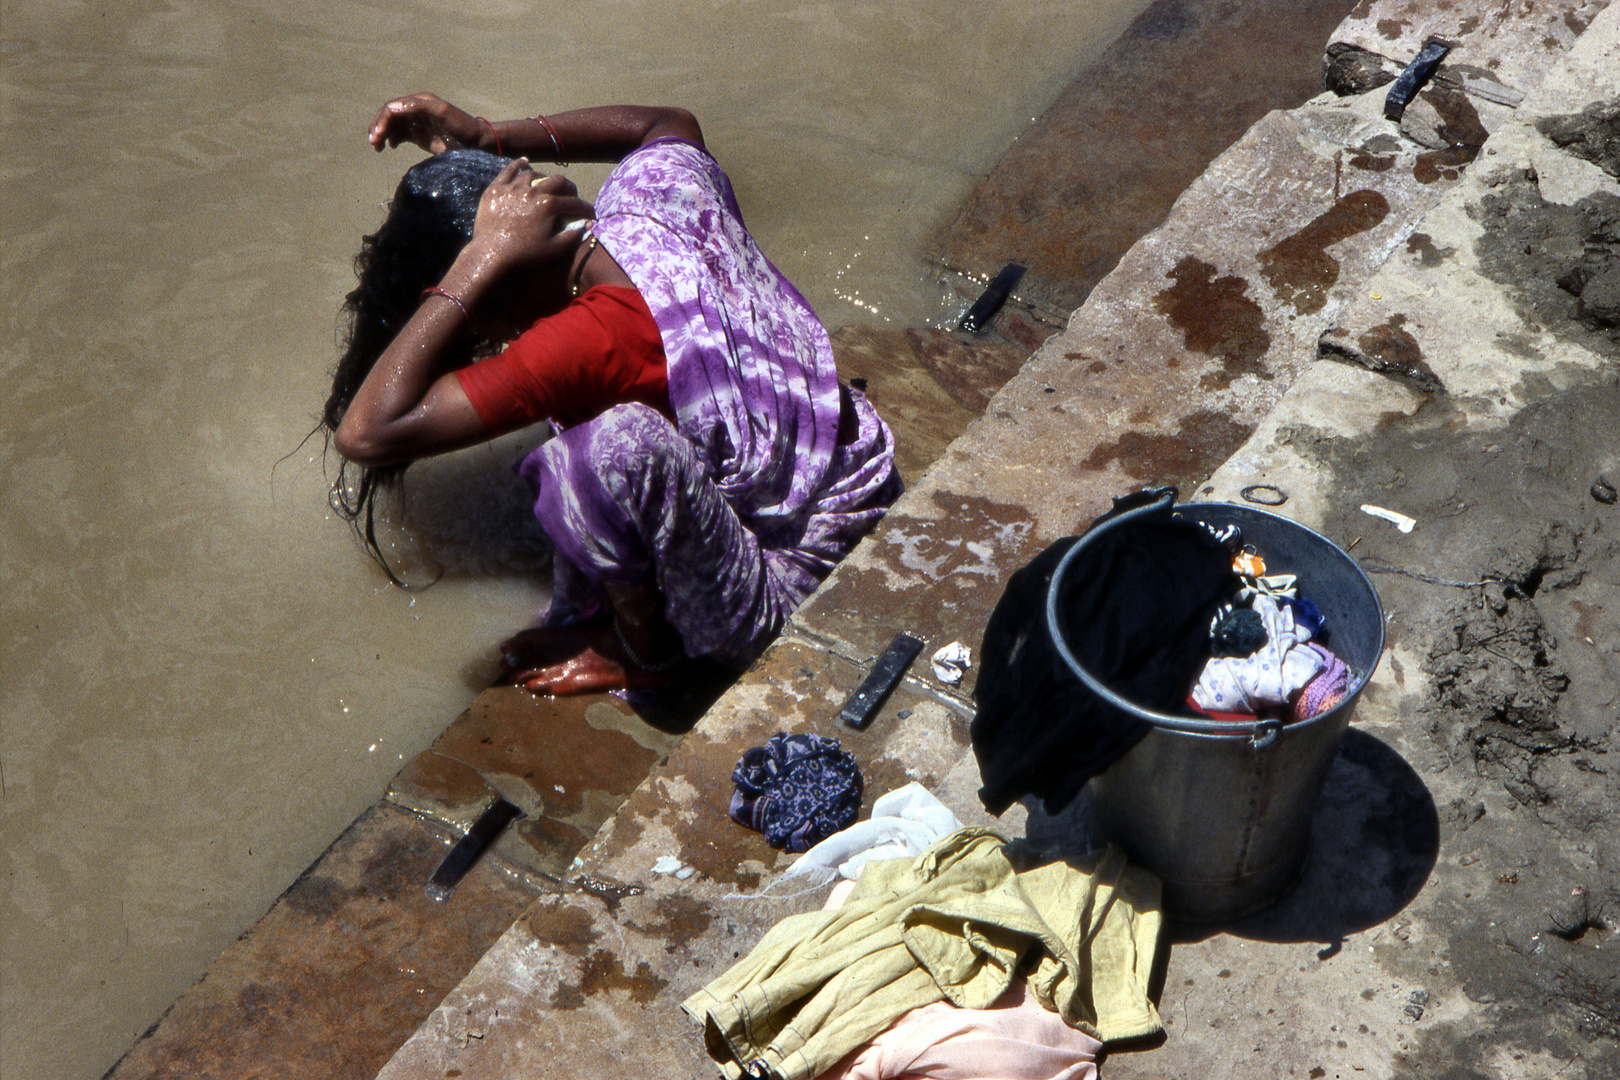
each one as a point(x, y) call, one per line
point(709, 469)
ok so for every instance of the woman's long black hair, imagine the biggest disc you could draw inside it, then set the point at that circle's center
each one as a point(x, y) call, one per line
point(429, 221)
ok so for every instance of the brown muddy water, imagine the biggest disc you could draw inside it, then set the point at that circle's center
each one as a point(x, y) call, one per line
point(203, 679)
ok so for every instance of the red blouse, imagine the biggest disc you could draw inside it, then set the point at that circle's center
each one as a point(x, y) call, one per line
point(601, 350)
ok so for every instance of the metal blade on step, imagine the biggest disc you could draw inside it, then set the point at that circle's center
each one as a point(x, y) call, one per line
point(469, 847)
point(863, 703)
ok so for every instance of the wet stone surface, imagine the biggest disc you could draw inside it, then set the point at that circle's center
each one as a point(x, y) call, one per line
point(1512, 45)
point(928, 385)
point(343, 968)
point(1105, 163)
point(682, 809)
point(669, 895)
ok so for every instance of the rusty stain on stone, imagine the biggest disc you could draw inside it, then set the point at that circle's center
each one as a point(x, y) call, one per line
point(1391, 28)
point(1373, 163)
point(601, 972)
point(388, 871)
point(611, 893)
point(436, 778)
point(1462, 130)
point(1098, 367)
point(316, 897)
point(1205, 439)
point(342, 969)
point(1299, 268)
point(1377, 154)
point(970, 371)
point(681, 919)
point(1398, 351)
point(254, 1002)
point(555, 842)
point(569, 928)
point(1216, 317)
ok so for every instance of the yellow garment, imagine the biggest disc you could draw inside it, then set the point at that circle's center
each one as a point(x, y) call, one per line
point(959, 922)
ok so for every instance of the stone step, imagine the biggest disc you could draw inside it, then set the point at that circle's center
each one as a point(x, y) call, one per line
point(347, 963)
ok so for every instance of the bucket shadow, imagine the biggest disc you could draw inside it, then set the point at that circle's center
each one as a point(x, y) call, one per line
point(1375, 837)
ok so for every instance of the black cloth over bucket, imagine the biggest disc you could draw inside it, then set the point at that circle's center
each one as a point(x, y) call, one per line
point(1138, 619)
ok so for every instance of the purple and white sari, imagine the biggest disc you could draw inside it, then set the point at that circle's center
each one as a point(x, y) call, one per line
point(738, 510)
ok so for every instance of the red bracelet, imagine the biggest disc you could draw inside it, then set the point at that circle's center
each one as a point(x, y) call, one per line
point(434, 290)
point(551, 132)
point(493, 135)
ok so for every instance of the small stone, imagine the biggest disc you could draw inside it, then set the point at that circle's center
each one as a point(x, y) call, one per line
point(1350, 69)
point(1600, 298)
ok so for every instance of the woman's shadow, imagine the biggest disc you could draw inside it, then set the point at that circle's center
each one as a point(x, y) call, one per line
point(1375, 836)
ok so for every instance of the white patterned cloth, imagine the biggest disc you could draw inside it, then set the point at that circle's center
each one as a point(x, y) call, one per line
point(1271, 677)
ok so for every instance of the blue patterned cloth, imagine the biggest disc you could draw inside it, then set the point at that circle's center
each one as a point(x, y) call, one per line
point(797, 790)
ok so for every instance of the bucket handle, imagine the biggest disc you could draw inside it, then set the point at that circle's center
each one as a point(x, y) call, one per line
point(1262, 733)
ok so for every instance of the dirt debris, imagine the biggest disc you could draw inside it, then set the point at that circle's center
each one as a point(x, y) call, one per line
point(1508, 598)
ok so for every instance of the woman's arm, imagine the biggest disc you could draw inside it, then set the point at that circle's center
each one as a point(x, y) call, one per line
point(411, 404)
point(603, 133)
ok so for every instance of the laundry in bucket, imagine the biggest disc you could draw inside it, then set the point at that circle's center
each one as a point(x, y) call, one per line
point(1138, 618)
point(1263, 661)
point(1172, 615)
point(1269, 676)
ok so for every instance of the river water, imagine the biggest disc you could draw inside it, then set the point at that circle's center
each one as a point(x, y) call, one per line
point(203, 679)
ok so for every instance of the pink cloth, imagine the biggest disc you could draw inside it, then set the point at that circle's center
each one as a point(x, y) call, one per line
point(1015, 1039)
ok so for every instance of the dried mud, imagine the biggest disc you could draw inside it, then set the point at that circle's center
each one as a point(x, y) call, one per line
point(1560, 263)
point(1508, 593)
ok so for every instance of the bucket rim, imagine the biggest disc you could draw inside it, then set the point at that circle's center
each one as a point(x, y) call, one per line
point(1261, 730)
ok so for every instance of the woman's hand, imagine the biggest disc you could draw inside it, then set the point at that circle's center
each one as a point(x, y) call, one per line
point(428, 121)
point(528, 220)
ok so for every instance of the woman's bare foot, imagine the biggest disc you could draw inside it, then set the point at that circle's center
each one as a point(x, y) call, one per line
point(541, 646)
point(559, 661)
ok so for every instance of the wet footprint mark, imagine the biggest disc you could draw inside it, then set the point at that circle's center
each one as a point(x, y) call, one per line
point(1299, 269)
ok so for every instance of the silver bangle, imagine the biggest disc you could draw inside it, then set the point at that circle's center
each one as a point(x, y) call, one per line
point(624, 644)
point(434, 290)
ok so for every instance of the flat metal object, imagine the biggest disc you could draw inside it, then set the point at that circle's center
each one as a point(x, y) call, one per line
point(1411, 80)
point(469, 847)
point(989, 302)
point(863, 703)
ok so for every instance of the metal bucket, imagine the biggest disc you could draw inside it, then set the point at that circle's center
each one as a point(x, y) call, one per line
point(1222, 812)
